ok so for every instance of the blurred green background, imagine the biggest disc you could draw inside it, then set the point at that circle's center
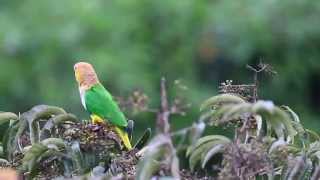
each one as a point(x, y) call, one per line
point(133, 43)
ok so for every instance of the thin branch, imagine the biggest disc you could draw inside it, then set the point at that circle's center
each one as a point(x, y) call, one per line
point(164, 112)
point(255, 79)
point(163, 94)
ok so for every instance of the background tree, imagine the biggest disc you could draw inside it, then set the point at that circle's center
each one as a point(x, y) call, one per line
point(133, 44)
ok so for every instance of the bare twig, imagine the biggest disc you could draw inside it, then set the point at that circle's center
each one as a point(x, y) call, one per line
point(164, 112)
point(255, 80)
point(262, 67)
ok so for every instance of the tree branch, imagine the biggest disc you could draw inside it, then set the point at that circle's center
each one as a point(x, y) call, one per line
point(164, 112)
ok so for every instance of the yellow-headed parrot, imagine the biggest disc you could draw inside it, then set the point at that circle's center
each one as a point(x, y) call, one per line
point(99, 102)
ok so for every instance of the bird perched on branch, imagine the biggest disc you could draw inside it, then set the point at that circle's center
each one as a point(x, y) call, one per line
point(99, 102)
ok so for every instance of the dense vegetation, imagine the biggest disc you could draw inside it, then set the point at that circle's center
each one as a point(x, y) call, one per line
point(268, 141)
point(133, 43)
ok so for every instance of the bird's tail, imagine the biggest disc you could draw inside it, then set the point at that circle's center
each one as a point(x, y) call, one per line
point(124, 137)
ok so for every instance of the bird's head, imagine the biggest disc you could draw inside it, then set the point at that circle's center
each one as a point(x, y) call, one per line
point(85, 74)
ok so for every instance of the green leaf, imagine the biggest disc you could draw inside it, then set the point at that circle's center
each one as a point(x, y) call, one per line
point(9, 140)
point(31, 157)
point(276, 118)
point(221, 100)
point(313, 152)
point(56, 121)
point(7, 116)
point(4, 163)
point(206, 139)
point(196, 154)
point(130, 128)
point(8, 132)
point(48, 148)
point(293, 115)
point(77, 157)
point(313, 135)
point(54, 141)
point(203, 146)
point(235, 111)
point(215, 115)
point(1, 151)
point(205, 157)
point(37, 113)
point(143, 139)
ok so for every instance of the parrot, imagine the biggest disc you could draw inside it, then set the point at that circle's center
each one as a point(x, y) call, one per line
point(99, 103)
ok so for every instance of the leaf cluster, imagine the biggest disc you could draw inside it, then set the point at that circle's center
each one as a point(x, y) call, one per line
point(47, 142)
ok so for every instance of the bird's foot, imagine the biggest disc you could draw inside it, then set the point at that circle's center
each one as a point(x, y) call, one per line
point(95, 127)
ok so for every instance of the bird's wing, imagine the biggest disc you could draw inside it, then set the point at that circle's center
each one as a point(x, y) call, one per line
point(100, 102)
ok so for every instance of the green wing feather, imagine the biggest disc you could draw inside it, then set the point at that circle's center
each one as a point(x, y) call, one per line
point(99, 101)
